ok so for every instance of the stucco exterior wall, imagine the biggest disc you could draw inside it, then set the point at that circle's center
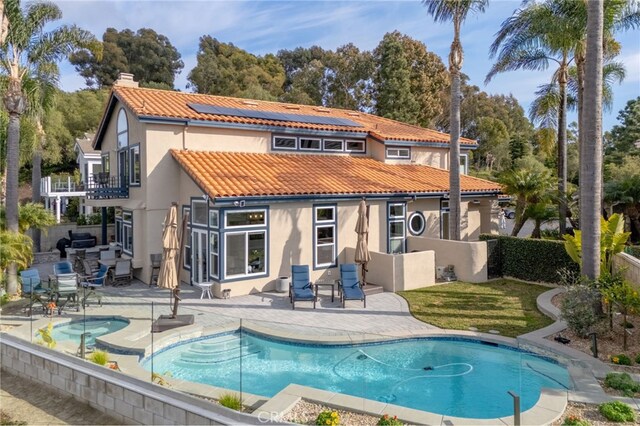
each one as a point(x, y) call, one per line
point(629, 266)
point(469, 258)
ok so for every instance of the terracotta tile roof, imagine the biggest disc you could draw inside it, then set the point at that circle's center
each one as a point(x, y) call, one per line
point(235, 174)
point(171, 104)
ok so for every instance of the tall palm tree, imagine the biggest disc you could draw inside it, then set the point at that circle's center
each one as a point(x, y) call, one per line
point(535, 36)
point(591, 161)
point(455, 11)
point(25, 47)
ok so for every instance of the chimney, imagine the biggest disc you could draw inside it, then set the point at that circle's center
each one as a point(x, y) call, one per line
point(125, 80)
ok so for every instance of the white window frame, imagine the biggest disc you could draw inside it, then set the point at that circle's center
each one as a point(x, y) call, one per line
point(464, 164)
point(226, 219)
point(397, 154)
point(422, 228)
point(193, 216)
point(319, 148)
point(186, 260)
point(120, 131)
point(132, 161)
point(346, 146)
point(324, 145)
point(214, 254)
point(444, 210)
point(246, 242)
point(325, 223)
point(403, 225)
point(124, 229)
point(295, 143)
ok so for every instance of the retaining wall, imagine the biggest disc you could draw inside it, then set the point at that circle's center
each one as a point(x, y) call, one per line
point(630, 267)
point(55, 232)
point(127, 399)
point(468, 258)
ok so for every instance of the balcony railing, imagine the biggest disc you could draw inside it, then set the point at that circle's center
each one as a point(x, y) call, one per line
point(105, 187)
point(60, 185)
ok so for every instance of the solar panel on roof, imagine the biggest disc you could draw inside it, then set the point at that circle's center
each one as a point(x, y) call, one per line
point(268, 115)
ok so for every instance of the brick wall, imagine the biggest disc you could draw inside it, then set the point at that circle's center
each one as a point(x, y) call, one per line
point(127, 399)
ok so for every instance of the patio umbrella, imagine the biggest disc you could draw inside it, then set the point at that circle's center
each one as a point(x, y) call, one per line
point(168, 275)
point(362, 249)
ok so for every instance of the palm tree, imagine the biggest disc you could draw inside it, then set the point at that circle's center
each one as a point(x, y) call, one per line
point(529, 186)
point(26, 47)
point(535, 36)
point(591, 150)
point(455, 11)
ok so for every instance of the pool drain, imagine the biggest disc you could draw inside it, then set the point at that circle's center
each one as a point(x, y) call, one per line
point(362, 356)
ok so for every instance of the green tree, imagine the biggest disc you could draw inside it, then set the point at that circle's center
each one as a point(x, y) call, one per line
point(394, 98)
point(304, 70)
point(455, 11)
point(493, 144)
point(146, 54)
point(622, 190)
point(348, 78)
point(26, 47)
point(224, 69)
point(529, 185)
point(622, 139)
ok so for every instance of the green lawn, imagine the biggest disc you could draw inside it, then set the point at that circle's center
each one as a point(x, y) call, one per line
point(504, 305)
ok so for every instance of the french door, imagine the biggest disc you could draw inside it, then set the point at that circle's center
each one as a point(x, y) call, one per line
point(199, 259)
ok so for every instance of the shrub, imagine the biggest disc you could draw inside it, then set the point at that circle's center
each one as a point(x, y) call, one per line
point(578, 309)
point(329, 418)
point(621, 359)
point(574, 421)
point(99, 357)
point(531, 259)
point(231, 400)
point(388, 420)
point(622, 382)
point(617, 411)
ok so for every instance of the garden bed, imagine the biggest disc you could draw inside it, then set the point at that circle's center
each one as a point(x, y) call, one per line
point(609, 341)
point(588, 412)
point(306, 412)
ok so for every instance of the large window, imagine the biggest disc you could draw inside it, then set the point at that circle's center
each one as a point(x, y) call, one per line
point(214, 250)
point(325, 233)
point(106, 165)
point(124, 230)
point(464, 164)
point(122, 129)
point(396, 227)
point(402, 153)
point(134, 165)
point(444, 219)
point(245, 250)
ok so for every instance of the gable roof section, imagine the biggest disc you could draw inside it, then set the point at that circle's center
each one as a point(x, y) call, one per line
point(85, 144)
point(234, 174)
point(171, 105)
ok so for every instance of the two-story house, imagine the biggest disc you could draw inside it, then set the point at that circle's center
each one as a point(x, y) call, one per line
point(270, 184)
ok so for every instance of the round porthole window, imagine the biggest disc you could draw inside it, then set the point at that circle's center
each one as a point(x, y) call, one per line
point(416, 223)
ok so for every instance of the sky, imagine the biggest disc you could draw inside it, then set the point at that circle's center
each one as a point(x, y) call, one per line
point(267, 26)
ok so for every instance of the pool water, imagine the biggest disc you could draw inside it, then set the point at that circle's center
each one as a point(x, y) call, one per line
point(456, 377)
point(95, 326)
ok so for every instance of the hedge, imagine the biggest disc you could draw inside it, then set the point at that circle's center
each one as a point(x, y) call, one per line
point(532, 259)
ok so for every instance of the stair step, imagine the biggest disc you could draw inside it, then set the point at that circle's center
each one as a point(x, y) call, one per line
point(371, 289)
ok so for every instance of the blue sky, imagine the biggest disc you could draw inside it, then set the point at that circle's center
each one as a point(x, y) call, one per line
point(267, 26)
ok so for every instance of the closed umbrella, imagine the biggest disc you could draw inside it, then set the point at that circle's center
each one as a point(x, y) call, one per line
point(362, 249)
point(168, 275)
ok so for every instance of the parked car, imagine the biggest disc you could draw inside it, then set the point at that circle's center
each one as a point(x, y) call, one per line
point(509, 213)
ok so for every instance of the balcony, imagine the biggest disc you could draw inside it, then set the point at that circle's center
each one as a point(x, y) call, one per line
point(105, 187)
point(61, 186)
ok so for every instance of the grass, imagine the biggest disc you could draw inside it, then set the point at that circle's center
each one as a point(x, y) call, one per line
point(504, 305)
point(99, 357)
point(231, 400)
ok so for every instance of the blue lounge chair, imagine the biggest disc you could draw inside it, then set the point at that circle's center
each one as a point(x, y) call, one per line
point(301, 287)
point(92, 282)
point(64, 267)
point(350, 286)
point(31, 282)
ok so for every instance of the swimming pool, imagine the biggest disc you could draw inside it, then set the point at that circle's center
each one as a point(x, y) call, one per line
point(96, 326)
point(450, 376)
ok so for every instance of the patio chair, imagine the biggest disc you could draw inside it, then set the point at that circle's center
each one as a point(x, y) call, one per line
point(93, 282)
point(107, 254)
point(301, 287)
point(349, 284)
point(63, 267)
point(122, 273)
point(67, 288)
point(32, 286)
point(156, 259)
